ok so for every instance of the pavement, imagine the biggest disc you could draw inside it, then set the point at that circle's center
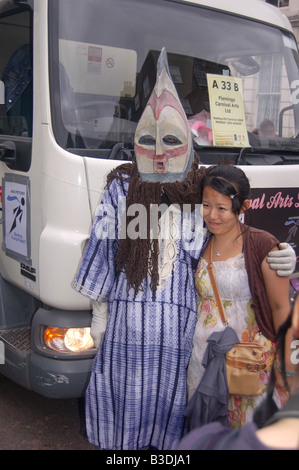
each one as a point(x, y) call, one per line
point(29, 421)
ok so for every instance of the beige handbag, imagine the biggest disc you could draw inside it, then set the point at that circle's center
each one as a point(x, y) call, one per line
point(245, 360)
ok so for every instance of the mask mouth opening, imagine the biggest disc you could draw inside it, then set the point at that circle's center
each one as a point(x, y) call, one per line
point(160, 166)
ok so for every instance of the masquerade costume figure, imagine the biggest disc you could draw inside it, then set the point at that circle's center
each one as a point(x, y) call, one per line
point(142, 289)
point(137, 392)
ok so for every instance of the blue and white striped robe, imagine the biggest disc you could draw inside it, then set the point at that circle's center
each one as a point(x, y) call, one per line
point(137, 392)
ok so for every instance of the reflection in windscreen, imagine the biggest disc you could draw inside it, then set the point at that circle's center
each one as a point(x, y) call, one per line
point(107, 63)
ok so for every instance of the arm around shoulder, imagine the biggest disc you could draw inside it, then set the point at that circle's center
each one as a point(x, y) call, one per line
point(283, 261)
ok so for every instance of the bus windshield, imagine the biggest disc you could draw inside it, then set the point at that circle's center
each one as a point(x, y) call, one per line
point(103, 69)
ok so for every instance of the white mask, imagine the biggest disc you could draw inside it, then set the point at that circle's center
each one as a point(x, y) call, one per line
point(163, 143)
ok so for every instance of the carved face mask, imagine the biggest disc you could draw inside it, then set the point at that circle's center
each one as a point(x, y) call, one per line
point(163, 143)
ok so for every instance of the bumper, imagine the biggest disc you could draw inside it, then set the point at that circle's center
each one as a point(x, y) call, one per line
point(49, 374)
point(59, 379)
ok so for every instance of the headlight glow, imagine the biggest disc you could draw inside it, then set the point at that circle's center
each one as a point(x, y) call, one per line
point(68, 339)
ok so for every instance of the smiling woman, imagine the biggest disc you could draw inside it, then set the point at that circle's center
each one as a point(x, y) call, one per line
point(255, 299)
point(222, 222)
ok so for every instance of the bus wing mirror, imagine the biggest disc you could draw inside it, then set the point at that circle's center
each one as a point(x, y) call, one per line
point(8, 152)
point(246, 66)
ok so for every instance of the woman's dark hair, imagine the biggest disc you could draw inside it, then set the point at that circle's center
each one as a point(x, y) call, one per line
point(281, 336)
point(230, 181)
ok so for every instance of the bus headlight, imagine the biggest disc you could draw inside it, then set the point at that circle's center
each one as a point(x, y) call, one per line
point(68, 339)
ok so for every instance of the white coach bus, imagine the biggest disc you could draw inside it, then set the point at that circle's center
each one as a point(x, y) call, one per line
point(75, 78)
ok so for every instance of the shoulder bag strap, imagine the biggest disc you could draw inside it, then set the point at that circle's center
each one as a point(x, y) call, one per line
point(214, 285)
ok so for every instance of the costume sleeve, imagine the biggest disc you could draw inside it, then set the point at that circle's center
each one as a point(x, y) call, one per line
point(96, 274)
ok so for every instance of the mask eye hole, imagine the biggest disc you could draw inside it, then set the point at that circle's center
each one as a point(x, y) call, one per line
point(147, 140)
point(171, 140)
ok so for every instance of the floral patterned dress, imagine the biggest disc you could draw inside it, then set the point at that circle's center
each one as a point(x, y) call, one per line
point(233, 286)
